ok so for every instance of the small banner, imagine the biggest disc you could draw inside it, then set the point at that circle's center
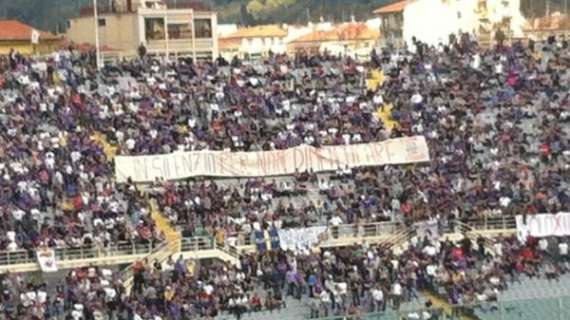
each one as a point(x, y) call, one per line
point(267, 240)
point(543, 225)
point(301, 239)
point(46, 259)
point(35, 37)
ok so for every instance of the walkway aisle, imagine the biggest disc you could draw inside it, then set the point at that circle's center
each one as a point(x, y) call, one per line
point(173, 239)
point(384, 112)
point(110, 150)
point(445, 306)
point(172, 236)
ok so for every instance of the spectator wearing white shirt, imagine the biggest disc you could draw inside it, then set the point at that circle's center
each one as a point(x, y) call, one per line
point(325, 298)
point(396, 294)
point(543, 246)
point(563, 251)
point(378, 303)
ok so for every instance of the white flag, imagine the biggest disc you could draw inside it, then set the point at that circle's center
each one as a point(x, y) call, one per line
point(35, 37)
point(46, 259)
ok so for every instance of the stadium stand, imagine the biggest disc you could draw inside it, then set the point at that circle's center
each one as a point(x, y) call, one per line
point(421, 240)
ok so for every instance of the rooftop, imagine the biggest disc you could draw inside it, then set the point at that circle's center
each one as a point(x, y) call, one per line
point(195, 5)
point(392, 8)
point(105, 9)
point(345, 32)
point(226, 44)
point(264, 31)
point(16, 30)
point(551, 23)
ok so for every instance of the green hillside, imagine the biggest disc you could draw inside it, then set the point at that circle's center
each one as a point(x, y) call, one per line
point(53, 14)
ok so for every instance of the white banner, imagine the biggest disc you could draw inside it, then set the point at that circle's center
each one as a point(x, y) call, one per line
point(543, 225)
point(46, 259)
point(300, 239)
point(180, 165)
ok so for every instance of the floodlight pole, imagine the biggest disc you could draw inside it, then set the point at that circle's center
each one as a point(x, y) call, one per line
point(96, 23)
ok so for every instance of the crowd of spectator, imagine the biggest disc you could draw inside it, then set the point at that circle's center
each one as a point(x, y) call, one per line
point(338, 281)
point(57, 186)
point(496, 122)
point(501, 148)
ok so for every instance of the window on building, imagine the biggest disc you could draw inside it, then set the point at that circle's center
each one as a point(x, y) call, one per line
point(203, 28)
point(179, 31)
point(102, 22)
point(154, 28)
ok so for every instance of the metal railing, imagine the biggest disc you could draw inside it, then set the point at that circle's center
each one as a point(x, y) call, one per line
point(343, 231)
point(127, 273)
point(8, 258)
point(542, 308)
point(229, 249)
point(401, 237)
point(83, 252)
point(207, 243)
point(197, 244)
point(363, 230)
point(493, 223)
point(475, 234)
point(17, 257)
point(420, 314)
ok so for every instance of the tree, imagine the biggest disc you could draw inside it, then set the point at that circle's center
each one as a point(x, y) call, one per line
point(279, 4)
point(255, 8)
point(245, 19)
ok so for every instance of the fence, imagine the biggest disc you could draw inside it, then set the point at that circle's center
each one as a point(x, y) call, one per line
point(124, 249)
point(544, 309)
point(84, 252)
point(129, 250)
point(378, 229)
point(366, 230)
point(415, 314)
point(556, 308)
point(493, 223)
point(197, 244)
point(363, 230)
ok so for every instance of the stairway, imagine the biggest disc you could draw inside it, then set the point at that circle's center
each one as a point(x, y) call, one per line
point(451, 312)
point(469, 232)
point(229, 254)
point(295, 310)
point(172, 236)
point(400, 239)
point(171, 246)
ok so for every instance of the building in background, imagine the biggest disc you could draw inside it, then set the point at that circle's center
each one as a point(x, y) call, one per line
point(294, 32)
point(182, 29)
point(254, 42)
point(541, 28)
point(392, 24)
point(25, 39)
point(225, 29)
point(354, 39)
point(488, 21)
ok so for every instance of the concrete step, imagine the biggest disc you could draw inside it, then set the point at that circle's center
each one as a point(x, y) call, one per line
point(295, 310)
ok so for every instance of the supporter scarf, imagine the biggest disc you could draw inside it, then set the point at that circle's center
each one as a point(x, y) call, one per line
point(274, 235)
point(260, 241)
